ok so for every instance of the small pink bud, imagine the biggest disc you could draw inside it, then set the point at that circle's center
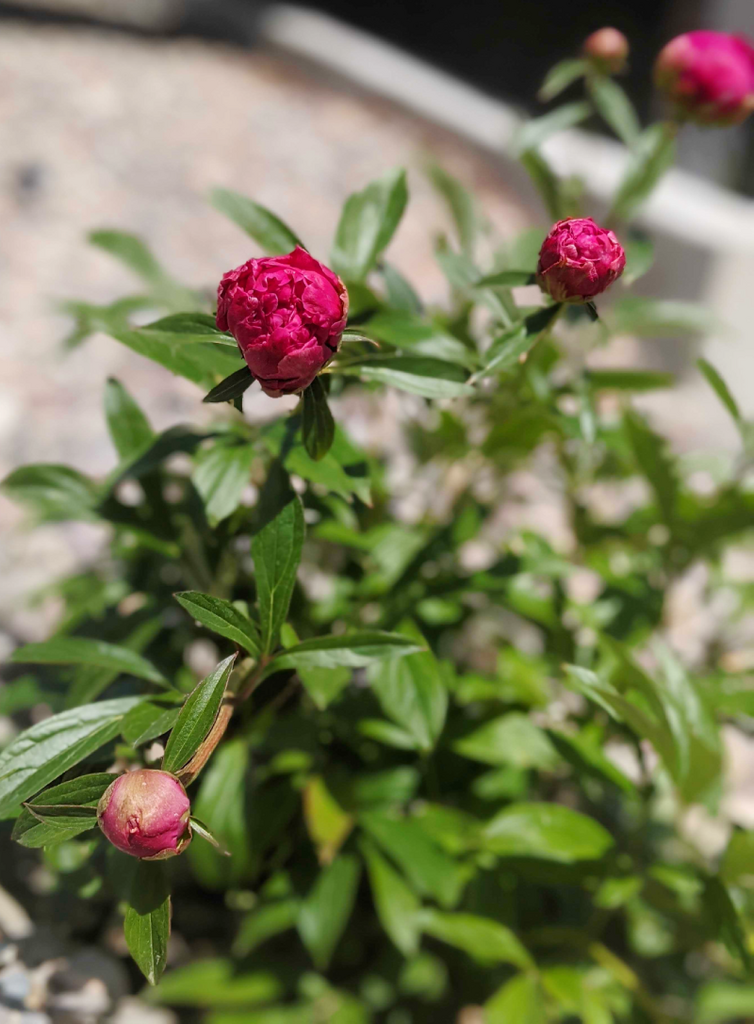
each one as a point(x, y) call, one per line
point(578, 260)
point(709, 76)
point(287, 314)
point(146, 813)
point(607, 48)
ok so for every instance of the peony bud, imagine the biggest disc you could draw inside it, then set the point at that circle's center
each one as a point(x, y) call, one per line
point(607, 49)
point(709, 76)
point(578, 260)
point(146, 813)
point(287, 314)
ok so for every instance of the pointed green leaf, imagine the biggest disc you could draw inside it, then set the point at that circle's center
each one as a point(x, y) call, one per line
point(276, 551)
point(354, 650)
point(615, 108)
point(147, 921)
point(221, 617)
point(42, 753)
point(257, 221)
point(317, 424)
point(325, 912)
point(534, 132)
point(78, 650)
point(197, 717)
point(367, 224)
point(35, 828)
point(560, 77)
point(412, 692)
point(549, 831)
point(232, 387)
point(396, 905)
point(129, 428)
point(653, 155)
point(221, 475)
point(484, 940)
point(430, 378)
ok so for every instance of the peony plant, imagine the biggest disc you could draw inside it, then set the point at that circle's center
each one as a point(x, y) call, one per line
point(448, 764)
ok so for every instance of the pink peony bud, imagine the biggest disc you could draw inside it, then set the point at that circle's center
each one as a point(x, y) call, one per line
point(709, 76)
point(607, 48)
point(287, 314)
point(578, 260)
point(146, 813)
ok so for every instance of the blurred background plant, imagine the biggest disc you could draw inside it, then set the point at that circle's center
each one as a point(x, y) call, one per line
point(537, 816)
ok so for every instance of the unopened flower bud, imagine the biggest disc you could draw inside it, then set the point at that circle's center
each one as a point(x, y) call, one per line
point(146, 813)
point(578, 260)
point(709, 76)
point(607, 49)
point(287, 314)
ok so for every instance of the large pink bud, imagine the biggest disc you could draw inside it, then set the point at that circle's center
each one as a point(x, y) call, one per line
point(607, 48)
point(578, 260)
point(287, 314)
point(709, 76)
point(146, 813)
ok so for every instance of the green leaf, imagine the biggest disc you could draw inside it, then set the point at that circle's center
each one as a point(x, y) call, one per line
point(129, 428)
point(653, 155)
point(191, 327)
point(221, 475)
point(387, 733)
point(484, 940)
point(519, 1000)
point(720, 1002)
point(560, 77)
point(367, 224)
point(264, 923)
point(640, 255)
point(657, 318)
point(276, 550)
point(344, 470)
point(202, 363)
point(506, 279)
point(325, 912)
point(721, 389)
point(737, 867)
point(317, 424)
point(221, 617)
point(354, 650)
point(257, 221)
point(78, 650)
point(223, 805)
point(507, 351)
point(430, 378)
point(133, 253)
point(724, 920)
point(546, 182)
point(461, 205)
point(54, 493)
point(215, 983)
point(42, 753)
point(400, 293)
point(232, 387)
point(412, 692)
point(396, 905)
point(615, 108)
point(197, 717)
point(34, 828)
point(657, 466)
point(511, 739)
point(147, 922)
point(90, 682)
point(408, 332)
point(147, 721)
point(533, 133)
point(548, 831)
point(431, 871)
point(629, 380)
